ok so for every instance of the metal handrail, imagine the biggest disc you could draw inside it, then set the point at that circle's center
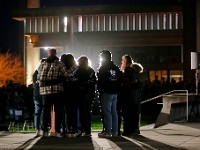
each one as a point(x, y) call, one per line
point(167, 93)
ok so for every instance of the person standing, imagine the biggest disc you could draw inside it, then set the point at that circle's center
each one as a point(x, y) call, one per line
point(87, 80)
point(131, 87)
point(50, 77)
point(71, 96)
point(108, 85)
point(37, 102)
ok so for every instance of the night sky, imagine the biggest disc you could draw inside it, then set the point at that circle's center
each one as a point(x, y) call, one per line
point(9, 28)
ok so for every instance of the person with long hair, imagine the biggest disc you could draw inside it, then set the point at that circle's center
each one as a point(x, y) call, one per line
point(131, 86)
point(71, 97)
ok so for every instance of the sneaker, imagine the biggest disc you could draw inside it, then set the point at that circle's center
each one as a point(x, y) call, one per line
point(39, 132)
point(104, 135)
point(58, 135)
point(45, 134)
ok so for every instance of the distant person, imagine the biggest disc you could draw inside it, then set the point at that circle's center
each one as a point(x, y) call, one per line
point(37, 102)
point(131, 104)
point(50, 77)
point(87, 80)
point(108, 86)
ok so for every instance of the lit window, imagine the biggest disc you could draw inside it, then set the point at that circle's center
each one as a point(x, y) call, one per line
point(110, 22)
point(127, 18)
point(145, 22)
point(164, 21)
point(65, 24)
point(140, 22)
point(176, 21)
point(158, 22)
point(80, 29)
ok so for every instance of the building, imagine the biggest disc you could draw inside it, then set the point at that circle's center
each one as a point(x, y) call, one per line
point(160, 37)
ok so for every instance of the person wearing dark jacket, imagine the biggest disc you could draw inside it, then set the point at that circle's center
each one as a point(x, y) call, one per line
point(71, 97)
point(37, 102)
point(87, 80)
point(131, 86)
point(108, 86)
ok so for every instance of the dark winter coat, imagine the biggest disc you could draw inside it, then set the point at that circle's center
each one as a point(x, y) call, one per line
point(108, 78)
point(131, 86)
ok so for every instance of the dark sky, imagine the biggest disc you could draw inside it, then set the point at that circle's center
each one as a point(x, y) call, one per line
point(9, 28)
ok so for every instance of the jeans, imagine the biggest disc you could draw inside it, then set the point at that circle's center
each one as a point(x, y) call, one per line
point(109, 108)
point(37, 113)
point(47, 102)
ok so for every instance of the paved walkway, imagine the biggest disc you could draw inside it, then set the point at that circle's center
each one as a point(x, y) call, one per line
point(182, 136)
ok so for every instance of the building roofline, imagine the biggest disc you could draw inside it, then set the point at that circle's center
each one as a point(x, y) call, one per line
point(20, 14)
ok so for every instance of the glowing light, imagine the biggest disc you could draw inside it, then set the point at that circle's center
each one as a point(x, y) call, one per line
point(89, 63)
point(46, 48)
point(30, 41)
point(65, 21)
point(100, 61)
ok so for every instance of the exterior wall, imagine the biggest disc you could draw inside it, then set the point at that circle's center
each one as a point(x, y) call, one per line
point(31, 53)
point(91, 29)
point(32, 58)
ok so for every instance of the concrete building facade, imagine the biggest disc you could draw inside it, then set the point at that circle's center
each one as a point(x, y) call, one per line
point(160, 37)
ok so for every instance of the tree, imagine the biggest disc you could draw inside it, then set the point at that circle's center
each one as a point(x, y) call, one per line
point(11, 69)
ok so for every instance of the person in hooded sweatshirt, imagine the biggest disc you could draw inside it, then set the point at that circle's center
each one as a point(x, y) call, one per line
point(108, 86)
point(131, 86)
point(50, 77)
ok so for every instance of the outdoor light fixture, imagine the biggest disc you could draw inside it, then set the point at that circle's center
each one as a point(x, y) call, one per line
point(30, 40)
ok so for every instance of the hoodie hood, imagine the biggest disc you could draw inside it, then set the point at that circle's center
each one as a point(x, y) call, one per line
point(137, 67)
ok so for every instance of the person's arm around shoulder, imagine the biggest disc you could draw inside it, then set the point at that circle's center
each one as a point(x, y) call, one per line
point(65, 72)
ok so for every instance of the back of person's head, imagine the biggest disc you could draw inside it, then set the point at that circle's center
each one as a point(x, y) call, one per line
point(68, 60)
point(105, 56)
point(52, 52)
point(83, 61)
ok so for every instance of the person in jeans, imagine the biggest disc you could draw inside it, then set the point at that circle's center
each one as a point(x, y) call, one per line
point(37, 102)
point(108, 85)
point(50, 77)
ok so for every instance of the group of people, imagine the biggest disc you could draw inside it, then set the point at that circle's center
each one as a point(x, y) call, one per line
point(70, 88)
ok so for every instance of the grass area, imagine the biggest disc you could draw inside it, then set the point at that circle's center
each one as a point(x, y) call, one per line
point(96, 123)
